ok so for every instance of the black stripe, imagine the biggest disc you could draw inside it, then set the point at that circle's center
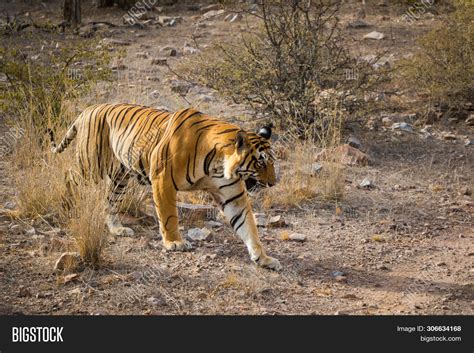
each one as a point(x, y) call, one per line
point(188, 178)
point(227, 131)
point(233, 199)
point(233, 183)
point(209, 157)
point(234, 219)
point(172, 178)
point(167, 220)
point(195, 154)
point(205, 127)
point(130, 128)
point(186, 119)
point(243, 221)
point(199, 122)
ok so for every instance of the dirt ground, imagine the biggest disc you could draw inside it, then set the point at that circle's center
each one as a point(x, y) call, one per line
point(404, 246)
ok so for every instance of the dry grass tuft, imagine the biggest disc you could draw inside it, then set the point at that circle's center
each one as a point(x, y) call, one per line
point(87, 222)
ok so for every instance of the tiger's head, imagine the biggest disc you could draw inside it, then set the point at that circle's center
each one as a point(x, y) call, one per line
point(252, 159)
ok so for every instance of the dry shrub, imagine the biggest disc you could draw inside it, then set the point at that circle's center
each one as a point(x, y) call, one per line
point(280, 68)
point(38, 179)
point(444, 67)
point(301, 179)
point(87, 222)
point(37, 96)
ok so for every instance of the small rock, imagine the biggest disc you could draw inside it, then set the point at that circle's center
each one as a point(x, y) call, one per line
point(358, 24)
point(402, 126)
point(169, 51)
point(382, 268)
point(342, 279)
point(470, 120)
point(159, 61)
point(276, 222)
point(198, 233)
point(68, 261)
point(190, 50)
point(10, 205)
point(297, 237)
point(337, 273)
point(366, 184)
point(155, 94)
point(31, 231)
point(214, 224)
point(173, 22)
point(468, 142)
point(316, 168)
point(169, 21)
point(354, 142)
point(374, 35)
point(440, 264)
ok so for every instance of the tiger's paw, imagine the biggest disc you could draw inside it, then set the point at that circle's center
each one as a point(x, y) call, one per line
point(122, 231)
point(177, 245)
point(269, 262)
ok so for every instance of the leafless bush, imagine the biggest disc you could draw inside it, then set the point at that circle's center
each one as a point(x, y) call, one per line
point(280, 68)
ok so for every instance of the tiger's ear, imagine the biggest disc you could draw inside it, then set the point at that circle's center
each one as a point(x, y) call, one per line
point(241, 141)
point(265, 132)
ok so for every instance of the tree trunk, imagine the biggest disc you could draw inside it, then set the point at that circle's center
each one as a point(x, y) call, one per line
point(104, 3)
point(126, 4)
point(72, 12)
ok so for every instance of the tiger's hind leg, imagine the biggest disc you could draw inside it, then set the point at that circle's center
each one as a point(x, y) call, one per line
point(117, 185)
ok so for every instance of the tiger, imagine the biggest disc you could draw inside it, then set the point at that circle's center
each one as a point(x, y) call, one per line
point(174, 151)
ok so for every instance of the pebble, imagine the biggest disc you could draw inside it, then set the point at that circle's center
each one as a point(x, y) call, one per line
point(297, 237)
point(402, 126)
point(10, 205)
point(374, 35)
point(198, 233)
point(354, 142)
point(366, 184)
point(159, 61)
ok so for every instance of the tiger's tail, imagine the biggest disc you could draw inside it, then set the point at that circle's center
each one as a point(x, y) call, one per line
point(70, 135)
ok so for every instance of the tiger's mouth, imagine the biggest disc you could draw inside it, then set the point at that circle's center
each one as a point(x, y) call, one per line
point(253, 184)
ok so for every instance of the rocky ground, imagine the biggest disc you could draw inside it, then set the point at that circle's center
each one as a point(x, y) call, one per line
point(399, 243)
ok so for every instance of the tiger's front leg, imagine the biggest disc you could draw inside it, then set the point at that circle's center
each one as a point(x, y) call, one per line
point(164, 197)
point(238, 211)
